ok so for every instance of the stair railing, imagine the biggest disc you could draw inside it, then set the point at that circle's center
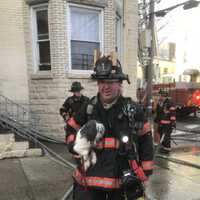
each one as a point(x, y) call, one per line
point(17, 112)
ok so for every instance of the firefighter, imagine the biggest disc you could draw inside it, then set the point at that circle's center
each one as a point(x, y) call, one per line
point(166, 120)
point(73, 103)
point(125, 154)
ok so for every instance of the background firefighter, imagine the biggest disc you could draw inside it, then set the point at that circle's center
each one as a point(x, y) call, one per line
point(73, 103)
point(108, 178)
point(166, 120)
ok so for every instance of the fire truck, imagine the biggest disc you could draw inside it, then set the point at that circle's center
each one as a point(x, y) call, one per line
point(185, 96)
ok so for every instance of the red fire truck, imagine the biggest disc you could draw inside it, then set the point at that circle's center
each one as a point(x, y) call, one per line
point(185, 95)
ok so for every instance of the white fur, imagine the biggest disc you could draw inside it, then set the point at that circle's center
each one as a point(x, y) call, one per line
point(84, 147)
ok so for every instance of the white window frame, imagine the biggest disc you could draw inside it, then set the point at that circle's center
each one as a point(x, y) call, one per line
point(35, 47)
point(118, 34)
point(101, 30)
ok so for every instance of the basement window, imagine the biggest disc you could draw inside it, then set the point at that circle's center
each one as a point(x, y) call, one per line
point(41, 41)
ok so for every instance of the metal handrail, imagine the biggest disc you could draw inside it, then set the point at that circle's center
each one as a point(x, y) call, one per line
point(16, 117)
point(17, 112)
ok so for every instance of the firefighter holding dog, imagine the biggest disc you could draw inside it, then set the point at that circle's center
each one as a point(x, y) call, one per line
point(165, 120)
point(125, 154)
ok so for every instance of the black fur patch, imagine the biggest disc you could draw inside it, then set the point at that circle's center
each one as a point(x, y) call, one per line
point(89, 130)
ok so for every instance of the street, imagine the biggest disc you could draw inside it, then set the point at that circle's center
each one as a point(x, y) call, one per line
point(176, 176)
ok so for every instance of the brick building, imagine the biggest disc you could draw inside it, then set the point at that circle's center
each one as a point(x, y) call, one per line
point(45, 45)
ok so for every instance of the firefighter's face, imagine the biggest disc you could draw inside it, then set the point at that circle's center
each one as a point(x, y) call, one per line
point(77, 93)
point(109, 90)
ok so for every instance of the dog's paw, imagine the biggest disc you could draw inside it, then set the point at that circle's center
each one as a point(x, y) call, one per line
point(93, 158)
point(86, 164)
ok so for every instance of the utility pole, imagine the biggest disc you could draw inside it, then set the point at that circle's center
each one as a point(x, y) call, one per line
point(150, 65)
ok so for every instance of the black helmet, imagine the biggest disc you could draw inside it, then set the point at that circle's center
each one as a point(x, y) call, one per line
point(76, 87)
point(104, 69)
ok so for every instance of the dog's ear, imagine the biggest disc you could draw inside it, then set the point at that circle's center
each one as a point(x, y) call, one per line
point(89, 130)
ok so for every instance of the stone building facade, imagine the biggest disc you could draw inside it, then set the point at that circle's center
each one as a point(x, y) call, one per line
point(56, 33)
point(13, 67)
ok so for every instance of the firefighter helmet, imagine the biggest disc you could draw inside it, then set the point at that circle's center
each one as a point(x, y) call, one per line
point(104, 69)
point(76, 87)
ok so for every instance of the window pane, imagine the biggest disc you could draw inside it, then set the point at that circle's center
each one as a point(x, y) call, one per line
point(42, 24)
point(44, 53)
point(82, 54)
point(84, 25)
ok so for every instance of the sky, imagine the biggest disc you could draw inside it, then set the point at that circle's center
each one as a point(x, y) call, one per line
point(182, 28)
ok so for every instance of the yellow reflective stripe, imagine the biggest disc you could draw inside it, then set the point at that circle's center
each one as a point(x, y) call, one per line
point(173, 118)
point(165, 121)
point(103, 182)
point(109, 143)
point(172, 108)
point(147, 165)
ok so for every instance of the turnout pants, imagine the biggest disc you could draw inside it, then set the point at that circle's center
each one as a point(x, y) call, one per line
point(83, 193)
point(166, 130)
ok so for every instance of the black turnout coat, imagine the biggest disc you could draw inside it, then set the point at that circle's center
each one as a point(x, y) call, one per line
point(118, 120)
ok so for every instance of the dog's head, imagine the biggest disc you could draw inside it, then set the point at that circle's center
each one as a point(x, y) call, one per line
point(93, 131)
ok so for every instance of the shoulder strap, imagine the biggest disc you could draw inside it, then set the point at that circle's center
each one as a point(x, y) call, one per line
point(90, 106)
point(129, 110)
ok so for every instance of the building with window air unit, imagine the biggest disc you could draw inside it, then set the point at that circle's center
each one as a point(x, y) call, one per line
point(45, 45)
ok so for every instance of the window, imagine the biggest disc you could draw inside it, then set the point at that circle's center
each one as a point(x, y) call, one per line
point(165, 71)
point(164, 53)
point(85, 36)
point(41, 42)
point(118, 35)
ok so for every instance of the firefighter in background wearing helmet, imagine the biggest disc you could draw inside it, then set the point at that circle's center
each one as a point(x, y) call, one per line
point(73, 103)
point(166, 120)
point(124, 156)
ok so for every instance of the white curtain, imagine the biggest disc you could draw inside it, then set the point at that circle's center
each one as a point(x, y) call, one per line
point(84, 24)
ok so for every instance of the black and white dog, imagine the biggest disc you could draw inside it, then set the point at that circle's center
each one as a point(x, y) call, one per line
point(88, 137)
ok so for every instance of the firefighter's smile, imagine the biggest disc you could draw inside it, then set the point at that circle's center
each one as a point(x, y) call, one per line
point(107, 92)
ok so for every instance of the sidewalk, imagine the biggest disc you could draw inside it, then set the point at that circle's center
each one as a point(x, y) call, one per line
point(34, 178)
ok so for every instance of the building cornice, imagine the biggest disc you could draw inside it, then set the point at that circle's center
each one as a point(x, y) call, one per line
point(35, 2)
point(98, 3)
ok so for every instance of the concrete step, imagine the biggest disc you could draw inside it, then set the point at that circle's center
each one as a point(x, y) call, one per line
point(21, 153)
point(7, 138)
point(8, 143)
point(12, 146)
point(9, 148)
